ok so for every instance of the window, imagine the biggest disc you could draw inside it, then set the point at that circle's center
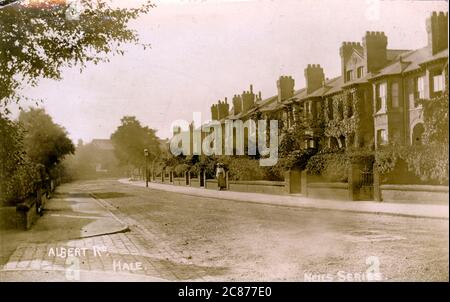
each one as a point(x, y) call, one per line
point(300, 111)
point(349, 75)
point(394, 95)
point(310, 143)
point(381, 97)
point(420, 87)
point(340, 109)
point(330, 109)
point(350, 105)
point(382, 137)
point(318, 110)
point(360, 72)
point(438, 83)
point(411, 93)
point(310, 106)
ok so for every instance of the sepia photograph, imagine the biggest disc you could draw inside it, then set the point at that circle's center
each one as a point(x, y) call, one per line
point(243, 142)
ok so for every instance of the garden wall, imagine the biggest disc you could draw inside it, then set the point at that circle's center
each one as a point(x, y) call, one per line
point(316, 187)
point(195, 182)
point(258, 186)
point(415, 193)
point(328, 190)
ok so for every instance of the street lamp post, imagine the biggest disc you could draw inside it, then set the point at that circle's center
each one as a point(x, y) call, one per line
point(146, 167)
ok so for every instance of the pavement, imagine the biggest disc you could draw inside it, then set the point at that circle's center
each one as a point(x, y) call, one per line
point(373, 207)
point(76, 231)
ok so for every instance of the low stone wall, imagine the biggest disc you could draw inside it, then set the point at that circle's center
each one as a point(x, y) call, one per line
point(195, 182)
point(211, 184)
point(167, 179)
point(258, 186)
point(179, 181)
point(299, 182)
point(415, 193)
point(328, 190)
point(26, 213)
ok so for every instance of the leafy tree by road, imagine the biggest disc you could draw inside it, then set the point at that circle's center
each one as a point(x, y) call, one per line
point(38, 40)
point(131, 138)
point(30, 151)
point(45, 142)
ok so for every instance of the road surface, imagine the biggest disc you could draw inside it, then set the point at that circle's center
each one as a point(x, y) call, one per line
point(173, 237)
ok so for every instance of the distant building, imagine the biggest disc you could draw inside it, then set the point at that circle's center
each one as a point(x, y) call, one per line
point(104, 157)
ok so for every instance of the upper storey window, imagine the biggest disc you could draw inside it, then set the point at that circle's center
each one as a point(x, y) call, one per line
point(438, 83)
point(394, 95)
point(420, 87)
point(381, 97)
point(360, 72)
point(349, 75)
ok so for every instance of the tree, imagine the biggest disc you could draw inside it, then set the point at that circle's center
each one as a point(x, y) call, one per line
point(38, 40)
point(131, 138)
point(292, 151)
point(44, 142)
point(429, 160)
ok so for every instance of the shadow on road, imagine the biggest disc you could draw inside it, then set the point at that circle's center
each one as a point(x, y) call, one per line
point(108, 195)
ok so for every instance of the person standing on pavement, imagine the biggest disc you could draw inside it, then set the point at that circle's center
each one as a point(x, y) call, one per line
point(220, 175)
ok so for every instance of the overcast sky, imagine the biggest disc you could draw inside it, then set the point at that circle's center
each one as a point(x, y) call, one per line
point(204, 50)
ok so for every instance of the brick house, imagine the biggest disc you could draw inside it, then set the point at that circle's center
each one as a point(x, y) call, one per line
point(372, 102)
point(380, 84)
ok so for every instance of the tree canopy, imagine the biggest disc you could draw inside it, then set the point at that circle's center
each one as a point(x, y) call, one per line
point(45, 142)
point(38, 39)
point(131, 138)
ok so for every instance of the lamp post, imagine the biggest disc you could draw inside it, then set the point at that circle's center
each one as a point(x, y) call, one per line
point(146, 167)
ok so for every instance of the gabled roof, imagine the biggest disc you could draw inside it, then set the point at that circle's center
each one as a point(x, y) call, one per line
point(440, 55)
point(364, 79)
point(359, 50)
point(329, 85)
point(298, 95)
point(399, 61)
point(263, 103)
point(393, 54)
point(410, 61)
point(269, 104)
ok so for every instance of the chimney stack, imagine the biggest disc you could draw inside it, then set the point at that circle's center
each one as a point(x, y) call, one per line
point(437, 29)
point(285, 86)
point(214, 112)
point(314, 77)
point(237, 104)
point(248, 99)
point(375, 50)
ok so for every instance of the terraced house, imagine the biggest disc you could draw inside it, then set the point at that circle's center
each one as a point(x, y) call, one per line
point(372, 102)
